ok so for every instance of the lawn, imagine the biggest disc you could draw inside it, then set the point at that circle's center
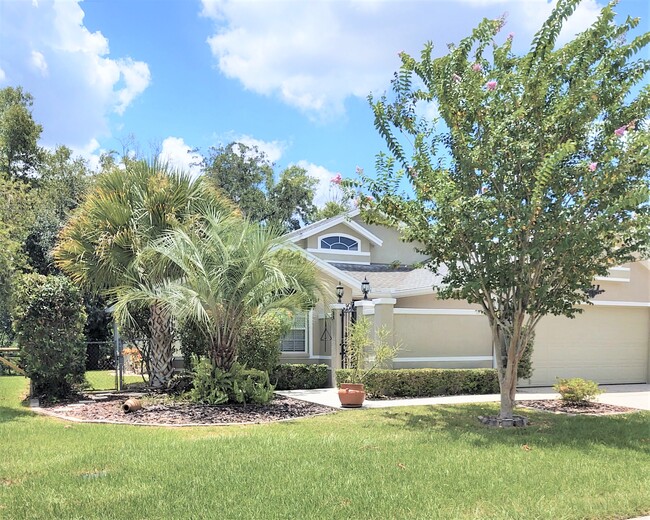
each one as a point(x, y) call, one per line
point(105, 379)
point(415, 462)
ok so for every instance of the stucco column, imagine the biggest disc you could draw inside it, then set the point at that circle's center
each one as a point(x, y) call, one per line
point(337, 337)
point(384, 316)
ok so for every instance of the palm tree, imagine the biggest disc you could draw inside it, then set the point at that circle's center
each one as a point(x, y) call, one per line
point(225, 271)
point(125, 212)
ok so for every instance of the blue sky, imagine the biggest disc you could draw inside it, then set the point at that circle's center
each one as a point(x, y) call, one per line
point(290, 76)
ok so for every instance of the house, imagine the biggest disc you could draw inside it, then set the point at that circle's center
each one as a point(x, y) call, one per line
point(609, 342)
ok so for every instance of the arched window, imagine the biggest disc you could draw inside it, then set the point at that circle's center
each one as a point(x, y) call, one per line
point(339, 242)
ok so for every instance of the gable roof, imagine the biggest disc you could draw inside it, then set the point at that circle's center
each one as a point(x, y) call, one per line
point(325, 224)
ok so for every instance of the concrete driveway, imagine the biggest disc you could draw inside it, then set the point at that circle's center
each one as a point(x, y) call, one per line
point(633, 396)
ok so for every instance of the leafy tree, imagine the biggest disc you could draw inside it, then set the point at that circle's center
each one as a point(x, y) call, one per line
point(49, 320)
point(534, 181)
point(16, 215)
point(246, 176)
point(125, 211)
point(60, 186)
point(19, 134)
point(218, 275)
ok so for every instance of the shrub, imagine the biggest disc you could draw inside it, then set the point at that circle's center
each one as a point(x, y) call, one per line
point(299, 377)
point(238, 385)
point(49, 319)
point(258, 345)
point(365, 354)
point(426, 382)
point(577, 390)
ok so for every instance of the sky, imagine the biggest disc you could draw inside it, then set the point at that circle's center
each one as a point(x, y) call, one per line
point(289, 76)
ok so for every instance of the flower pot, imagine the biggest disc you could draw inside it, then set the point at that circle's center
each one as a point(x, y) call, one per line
point(351, 395)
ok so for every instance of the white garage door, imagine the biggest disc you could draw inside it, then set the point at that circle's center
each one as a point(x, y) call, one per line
point(606, 344)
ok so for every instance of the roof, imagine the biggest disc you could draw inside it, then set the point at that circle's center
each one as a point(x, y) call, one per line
point(393, 280)
point(325, 224)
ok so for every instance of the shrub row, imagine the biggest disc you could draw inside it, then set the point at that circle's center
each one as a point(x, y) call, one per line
point(299, 377)
point(427, 382)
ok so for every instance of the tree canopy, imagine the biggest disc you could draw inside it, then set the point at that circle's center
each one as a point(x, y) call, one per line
point(19, 134)
point(533, 180)
point(245, 174)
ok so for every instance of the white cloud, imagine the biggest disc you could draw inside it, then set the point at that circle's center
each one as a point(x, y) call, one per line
point(38, 61)
point(272, 149)
point(176, 152)
point(315, 55)
point(325, 190)
point(45, 48)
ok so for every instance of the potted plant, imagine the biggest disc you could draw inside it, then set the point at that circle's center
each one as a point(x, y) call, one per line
point(362, 355)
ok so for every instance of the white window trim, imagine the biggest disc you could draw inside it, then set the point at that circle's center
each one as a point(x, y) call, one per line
point(345, 235)
point(338, 252)
point(309, 347)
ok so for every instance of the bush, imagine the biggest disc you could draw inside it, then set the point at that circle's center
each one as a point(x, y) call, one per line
point(426, 382)
point(215, 386)
point(258, 345)
point(49, 319)
point(299, 377)
point(577, 390)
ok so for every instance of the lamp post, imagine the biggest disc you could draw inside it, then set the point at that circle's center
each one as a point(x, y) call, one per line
point(365, 287)
point(339, 292)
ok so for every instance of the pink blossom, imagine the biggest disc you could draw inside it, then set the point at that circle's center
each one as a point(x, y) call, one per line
point(359, 170)
point(456, 78)
point(477, 67)
point(511, 36)
point(336, 179)
point(620, 131)
point(355, 203)
point(491, 85)
point(369, 198)
point(592, 166)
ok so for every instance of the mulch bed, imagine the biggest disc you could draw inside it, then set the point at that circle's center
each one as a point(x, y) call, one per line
point(592, 408)
point(161, 412)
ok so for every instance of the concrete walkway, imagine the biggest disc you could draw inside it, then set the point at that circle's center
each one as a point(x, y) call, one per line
point(633, 396)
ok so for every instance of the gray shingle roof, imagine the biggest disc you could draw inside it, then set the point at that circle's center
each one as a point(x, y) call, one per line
point(384, 277)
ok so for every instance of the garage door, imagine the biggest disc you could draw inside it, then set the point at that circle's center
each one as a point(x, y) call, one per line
point(606, 344)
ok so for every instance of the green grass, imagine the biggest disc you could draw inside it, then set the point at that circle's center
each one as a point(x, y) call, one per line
point(105, 379)
point(415, 462)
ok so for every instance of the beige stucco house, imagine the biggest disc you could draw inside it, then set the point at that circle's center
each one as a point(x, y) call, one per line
point(609, 342)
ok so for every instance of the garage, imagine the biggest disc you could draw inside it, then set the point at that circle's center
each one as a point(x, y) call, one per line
point(608, 344)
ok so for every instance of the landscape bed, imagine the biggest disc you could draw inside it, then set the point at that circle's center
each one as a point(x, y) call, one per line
point(412, 462)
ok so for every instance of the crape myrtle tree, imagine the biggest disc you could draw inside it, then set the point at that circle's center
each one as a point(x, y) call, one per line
point(533, 180)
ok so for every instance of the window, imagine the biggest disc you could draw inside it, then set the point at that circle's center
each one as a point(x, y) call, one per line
point(339, 242)
point(296, 339)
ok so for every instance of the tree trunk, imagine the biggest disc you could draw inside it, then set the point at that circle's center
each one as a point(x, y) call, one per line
point(224, 356)
point(507, 371)
point(161, 352)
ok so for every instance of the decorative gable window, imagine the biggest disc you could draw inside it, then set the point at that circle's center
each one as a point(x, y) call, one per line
point(339, 242)
point(297, 338)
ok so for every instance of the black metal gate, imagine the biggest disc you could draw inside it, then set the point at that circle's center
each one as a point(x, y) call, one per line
point(348, 317)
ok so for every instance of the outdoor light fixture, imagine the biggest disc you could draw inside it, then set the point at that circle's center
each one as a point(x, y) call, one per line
point(594, 291)
point(365, 287)
point(339, 291)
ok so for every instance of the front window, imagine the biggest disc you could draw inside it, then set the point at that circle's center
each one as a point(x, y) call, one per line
point(297, 337)
point(339, 242)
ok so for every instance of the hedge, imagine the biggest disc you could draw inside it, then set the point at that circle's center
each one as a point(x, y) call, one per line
point(299, 377)
point(427, 382)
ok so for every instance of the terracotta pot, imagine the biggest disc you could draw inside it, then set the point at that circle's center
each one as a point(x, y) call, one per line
point(131, 405)
point(351, 395)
